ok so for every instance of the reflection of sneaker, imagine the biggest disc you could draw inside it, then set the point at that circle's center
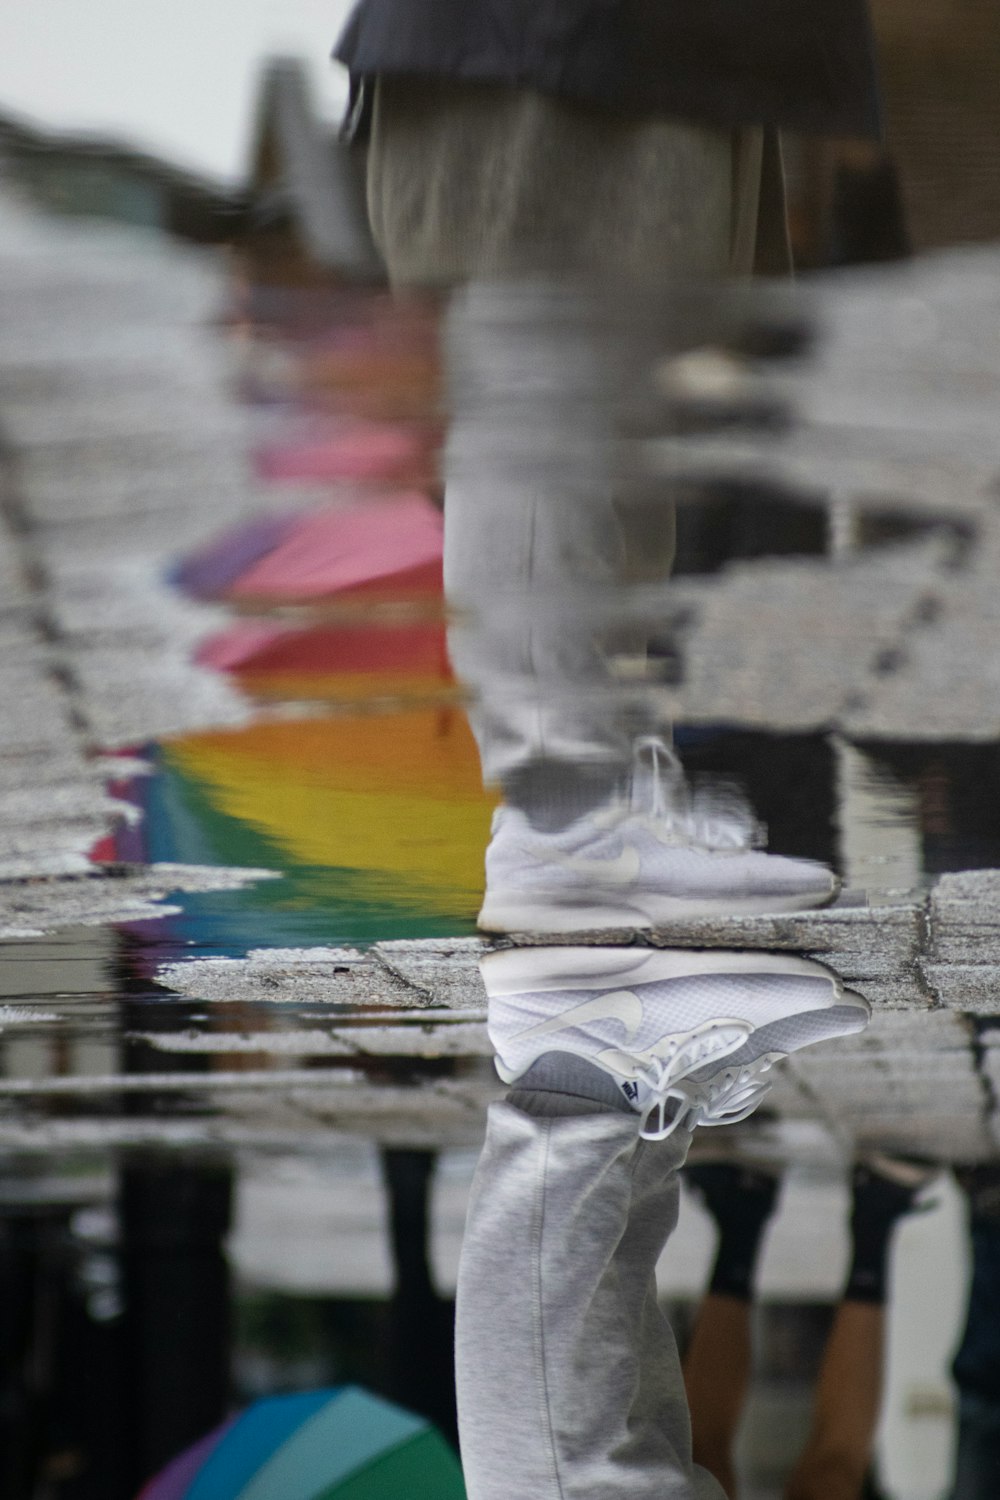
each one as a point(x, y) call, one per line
point(726, 1095)
point(687, 1035)
point(635, 866)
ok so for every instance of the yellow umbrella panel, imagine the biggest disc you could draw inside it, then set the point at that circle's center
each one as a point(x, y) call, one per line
point(390, 795)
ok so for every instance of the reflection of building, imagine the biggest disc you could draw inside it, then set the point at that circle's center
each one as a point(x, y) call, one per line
point(85, 176)
point(301, 214)
point(940, 64)
point(937, 183)
point(306, 193)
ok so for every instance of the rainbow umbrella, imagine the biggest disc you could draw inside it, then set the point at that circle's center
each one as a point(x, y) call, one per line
point(338, 1444)
point(387, 549)
point(207, 573)
point(395, 799)
point(338, 663)
point(395, 452)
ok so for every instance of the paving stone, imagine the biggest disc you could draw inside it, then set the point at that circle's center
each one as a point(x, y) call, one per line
point(974, 988)
point(42, 719)
point(333, 976)
point(945, 682)
point(104, 895)
point(845, 615)
point(421, 1039)
point(130, 697)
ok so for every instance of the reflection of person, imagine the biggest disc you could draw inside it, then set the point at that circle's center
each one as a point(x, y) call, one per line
point(837, 1455)
point(569, 1384)
point(507, 144)
point(977, 1364)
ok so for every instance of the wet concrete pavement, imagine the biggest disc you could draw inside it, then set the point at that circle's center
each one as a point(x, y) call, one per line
point(125, 447)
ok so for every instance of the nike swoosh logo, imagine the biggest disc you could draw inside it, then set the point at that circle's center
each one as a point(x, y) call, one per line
point(622, 870)
point(619, 1005)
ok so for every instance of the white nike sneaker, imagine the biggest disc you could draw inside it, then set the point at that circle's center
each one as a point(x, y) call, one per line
point(661, 857)
point(687, 1035)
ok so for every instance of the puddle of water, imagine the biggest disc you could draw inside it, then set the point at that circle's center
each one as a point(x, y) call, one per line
point(589, 581)
point(375, 821)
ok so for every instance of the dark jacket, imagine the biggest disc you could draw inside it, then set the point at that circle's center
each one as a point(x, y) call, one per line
point(798, 64)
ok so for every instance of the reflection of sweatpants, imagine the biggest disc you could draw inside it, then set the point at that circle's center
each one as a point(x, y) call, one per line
point(569, 1381)
point(545, 536)
point(507, 192)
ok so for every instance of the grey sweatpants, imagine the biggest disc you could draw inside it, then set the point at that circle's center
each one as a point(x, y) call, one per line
point(569, 1382)
point(548, 544)
point(519, 198)
point(479, 181)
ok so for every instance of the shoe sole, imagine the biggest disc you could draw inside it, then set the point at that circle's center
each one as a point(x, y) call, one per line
point(538, 970)
point(502, 914)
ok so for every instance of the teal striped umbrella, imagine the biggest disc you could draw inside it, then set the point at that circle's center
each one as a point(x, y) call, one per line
point(338, 1444)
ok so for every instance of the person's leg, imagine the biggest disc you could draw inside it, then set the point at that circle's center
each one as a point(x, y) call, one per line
point(846, 1410)
point(521, 199)
point(480, 182)
point(838, 1452)
point(569, 1382)
point(717, 1366)
point(539, 556)
point(718, 1359)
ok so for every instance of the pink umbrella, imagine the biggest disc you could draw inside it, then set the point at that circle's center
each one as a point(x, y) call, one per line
point(238, 644)
point(349, 450)
point(385, 548)
point(208, 572)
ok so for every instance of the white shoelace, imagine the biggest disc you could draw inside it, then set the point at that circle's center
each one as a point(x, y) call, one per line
point(724, 1099)
point(714, 818)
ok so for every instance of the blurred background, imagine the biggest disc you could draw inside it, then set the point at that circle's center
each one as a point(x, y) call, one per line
point(241, 809)
point(176, 81)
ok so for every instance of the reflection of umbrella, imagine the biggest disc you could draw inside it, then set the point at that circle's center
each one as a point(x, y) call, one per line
point(208, 572)
point(377, 823)
point(396, 799)
point(336, 662)
point(343, 449)
point(389, 548)
point(385, 549)
point(341, 1444)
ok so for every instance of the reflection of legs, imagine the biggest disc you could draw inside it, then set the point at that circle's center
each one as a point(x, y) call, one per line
point(848, 1396)
point(538, 542)
point(718, 1359)
point(849, 1391)
point(569, 1383)
point(717, 1373)
point(977, 1363)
